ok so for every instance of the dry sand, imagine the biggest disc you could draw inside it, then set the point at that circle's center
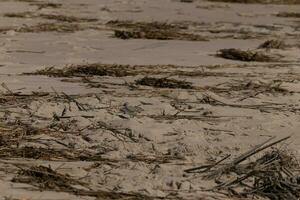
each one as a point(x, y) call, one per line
point(119, 136)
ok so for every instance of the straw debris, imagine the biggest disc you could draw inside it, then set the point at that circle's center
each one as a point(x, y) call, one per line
point(288, 14)
point(274, 174)
point(247, 56)
point(41, 5)
point(260, 1)
point(153, 30)
point(44, 178)
point(51, 27)
point(60, 18)
point(273, 44)
point(164, 83)
point(86, 70)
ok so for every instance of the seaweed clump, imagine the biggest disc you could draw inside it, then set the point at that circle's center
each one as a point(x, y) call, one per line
point(164, 83)
point(86, 70)
point(153, 30)
point(60, 18)
point(273, 175)
point(44, 178)
point(273, 44)
point(288, 14)
point(47, 5)
point(69, 19)
point(247, 56)
point(50, 27)
point(260, 1)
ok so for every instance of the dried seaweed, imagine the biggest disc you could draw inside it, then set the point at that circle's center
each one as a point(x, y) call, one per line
point(42, 5)
point(158, 35)
point(96, 69)
point(157, 159)
point(252, 88)
point(164, 83)
point(36, 153)
point(288, 14)
point(51, 27)
point(248, 56)
point(153, 30)
point(18, 15)
point(273, 44)
point(146, 25)
point(64, 18)
point(45, 178)
point(274, 175)
point(260, 1)
point(187, 1)
point(60, 18)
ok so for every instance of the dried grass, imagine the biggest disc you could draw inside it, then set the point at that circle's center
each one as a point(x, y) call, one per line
point(260, 1)
point(164, 83)
point(153, 30)
point(247, 56)
point(273, 44)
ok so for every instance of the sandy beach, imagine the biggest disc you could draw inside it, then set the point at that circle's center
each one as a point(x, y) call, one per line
point(132, 99)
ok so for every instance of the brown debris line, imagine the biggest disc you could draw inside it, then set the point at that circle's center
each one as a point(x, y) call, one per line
point(60, 18)
point(64, 18)
point(95, 69)
point(288, 14)
point(13, 133)
point(158, 35)
point(36, 153)
point(30, 1)
point(274, 174)
point(146, 25)
point(122, 70)
point(50, 27)
point(177, 116)
point(187, 1)
point(116, 70)
point(45, 178)
point(19, 15)
point(164, 83)
point(256, 88)
point(247, 56)
point(273, 44)
point(209, 99)
point(42, 5)
point(153, 30)
point(151, 159)
point(260, 1)
point(49, 154)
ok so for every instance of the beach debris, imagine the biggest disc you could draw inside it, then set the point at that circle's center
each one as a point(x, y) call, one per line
point(42, 5)
point(273, 174)
point(60, 18)
point(288, 14)
point(164, 83)
point(247, 56)
point(273, 44)
point(254, 88)
point(157, 35)
point(96, 69)
point(260, 1)
point(44, 178)
point(187, 1)
point(153, 30)
point(50, 27)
